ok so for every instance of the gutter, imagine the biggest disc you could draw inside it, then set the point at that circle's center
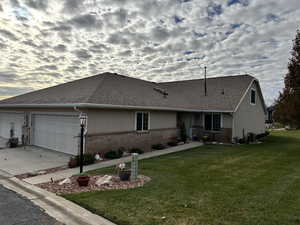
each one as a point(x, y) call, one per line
point(106, 106)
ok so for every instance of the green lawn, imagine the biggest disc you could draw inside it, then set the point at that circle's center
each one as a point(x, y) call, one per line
point(211, 185)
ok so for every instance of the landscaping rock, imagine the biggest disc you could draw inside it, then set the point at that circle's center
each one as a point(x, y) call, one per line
point(65, 181)
point(105, 180)
point(73, 187)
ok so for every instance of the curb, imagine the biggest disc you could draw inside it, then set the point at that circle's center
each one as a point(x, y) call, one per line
point(61, 209)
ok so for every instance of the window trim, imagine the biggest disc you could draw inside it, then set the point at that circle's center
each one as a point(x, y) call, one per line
point(252, 89)
point(135, 121)
point(212, 123)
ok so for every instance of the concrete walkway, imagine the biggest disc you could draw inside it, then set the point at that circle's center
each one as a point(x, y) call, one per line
point(70, 172)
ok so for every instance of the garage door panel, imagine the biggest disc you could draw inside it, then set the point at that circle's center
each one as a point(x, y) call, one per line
point(57, 132)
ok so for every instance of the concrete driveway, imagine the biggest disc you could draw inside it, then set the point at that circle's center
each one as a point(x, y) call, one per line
point(21, 160)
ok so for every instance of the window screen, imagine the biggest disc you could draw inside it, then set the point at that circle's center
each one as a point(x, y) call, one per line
point(212, 121)
point(142, 121)
point(208, 121)
point(253, 96)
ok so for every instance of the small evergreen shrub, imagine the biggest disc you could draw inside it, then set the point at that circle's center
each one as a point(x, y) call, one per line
point(88, 159)
point(114, 154)
point(173, 143)
point(158, 147)
point(183, 135)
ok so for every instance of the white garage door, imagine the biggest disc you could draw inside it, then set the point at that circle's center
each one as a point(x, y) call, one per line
point(9, 121)
point(56, 132)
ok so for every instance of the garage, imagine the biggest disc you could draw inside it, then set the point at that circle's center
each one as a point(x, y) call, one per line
point(56, 132)
point(11, 120)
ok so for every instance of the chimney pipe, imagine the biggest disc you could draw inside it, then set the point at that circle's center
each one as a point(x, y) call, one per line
point(205, 88)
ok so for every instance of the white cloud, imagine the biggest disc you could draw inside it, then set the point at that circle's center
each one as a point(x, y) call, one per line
point(49, 42)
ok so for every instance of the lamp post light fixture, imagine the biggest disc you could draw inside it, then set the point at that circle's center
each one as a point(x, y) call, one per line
point(83, 119)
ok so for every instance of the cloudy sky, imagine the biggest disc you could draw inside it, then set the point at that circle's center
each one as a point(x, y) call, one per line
point(47, 42)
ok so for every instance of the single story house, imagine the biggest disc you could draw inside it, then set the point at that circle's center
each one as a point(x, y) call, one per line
point(128, 112)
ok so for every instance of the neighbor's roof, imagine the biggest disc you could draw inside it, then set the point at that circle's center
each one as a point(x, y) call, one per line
point(223, 93)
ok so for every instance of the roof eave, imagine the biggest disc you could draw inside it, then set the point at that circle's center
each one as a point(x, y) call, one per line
point(109, 106)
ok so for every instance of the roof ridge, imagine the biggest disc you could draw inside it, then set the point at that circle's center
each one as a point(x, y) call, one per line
point(209, 78)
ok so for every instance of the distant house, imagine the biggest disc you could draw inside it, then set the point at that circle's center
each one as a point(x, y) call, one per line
point(128, 112)
point(269, 116)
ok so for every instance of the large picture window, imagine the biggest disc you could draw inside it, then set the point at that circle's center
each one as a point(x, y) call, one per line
point(142, 121)
point(212, 121)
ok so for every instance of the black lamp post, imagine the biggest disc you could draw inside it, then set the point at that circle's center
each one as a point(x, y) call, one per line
point(82, 125)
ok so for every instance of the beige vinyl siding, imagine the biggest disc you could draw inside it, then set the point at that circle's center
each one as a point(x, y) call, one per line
point(249, 117)
point(162, 120)
point(109, 121)
point(227, 120)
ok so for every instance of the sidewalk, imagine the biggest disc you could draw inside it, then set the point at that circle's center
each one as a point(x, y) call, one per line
point(70, 172)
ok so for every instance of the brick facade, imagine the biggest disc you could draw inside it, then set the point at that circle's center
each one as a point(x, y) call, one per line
point(103, 142)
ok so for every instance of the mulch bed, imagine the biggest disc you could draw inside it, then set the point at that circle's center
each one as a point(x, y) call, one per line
point(73, 187)
point(41, 172)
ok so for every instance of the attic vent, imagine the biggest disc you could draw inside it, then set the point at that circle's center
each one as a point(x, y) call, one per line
point(161, 91)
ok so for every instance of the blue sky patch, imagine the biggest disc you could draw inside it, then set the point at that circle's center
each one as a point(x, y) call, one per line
point(199, 35)
point(242, 2)
point(177, 19)
point(214, 9)
point(188, 52)
point(272, 17)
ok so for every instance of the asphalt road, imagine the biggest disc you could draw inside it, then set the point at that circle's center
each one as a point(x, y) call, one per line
point(17, 210)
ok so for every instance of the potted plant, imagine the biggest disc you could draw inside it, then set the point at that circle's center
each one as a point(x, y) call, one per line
point(83, 180)
point(205, 138)
point(13, 142)
point(124, 173)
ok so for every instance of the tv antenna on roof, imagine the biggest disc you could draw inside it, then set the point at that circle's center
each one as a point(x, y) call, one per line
point(205, 86)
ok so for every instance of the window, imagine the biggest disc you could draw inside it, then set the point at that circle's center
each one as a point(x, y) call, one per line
point(142, 121)
point(212, 121)
point(253, 97)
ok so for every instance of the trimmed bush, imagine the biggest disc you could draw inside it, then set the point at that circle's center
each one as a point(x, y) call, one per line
point(262, 135)
point(136, 150)
point(183, 135)
point(88, 159)
point(172, 143)
point(158, 147)
point(115, 154)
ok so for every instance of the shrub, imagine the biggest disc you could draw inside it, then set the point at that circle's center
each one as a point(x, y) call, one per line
point(136, 150)
point(262, 135)
point(251, 137)
point(172, 143)
point(183, 135)
point(158, 147)
point(88, 159)
point(115, 154)
point(242, 141)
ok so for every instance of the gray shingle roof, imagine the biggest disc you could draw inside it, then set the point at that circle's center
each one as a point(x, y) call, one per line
point(223, 93)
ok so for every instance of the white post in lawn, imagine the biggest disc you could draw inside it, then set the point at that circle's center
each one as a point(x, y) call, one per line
point(134, 167)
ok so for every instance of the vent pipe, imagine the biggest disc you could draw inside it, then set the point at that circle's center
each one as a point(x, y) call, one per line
point(205, 88)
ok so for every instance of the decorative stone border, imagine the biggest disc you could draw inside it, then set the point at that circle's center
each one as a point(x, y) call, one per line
point(73, 187)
